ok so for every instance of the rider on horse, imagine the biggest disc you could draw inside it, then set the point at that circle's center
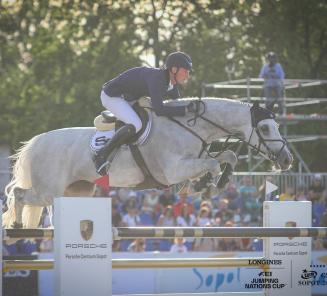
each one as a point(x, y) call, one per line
point(131, 85)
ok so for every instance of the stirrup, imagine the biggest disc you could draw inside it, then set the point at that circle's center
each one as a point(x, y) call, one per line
point(103, 167)
point(102, 170)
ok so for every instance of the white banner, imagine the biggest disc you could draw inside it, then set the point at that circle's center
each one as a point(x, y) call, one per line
point(82, 246)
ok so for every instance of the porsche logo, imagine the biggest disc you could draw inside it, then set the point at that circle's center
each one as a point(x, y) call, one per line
point(86, 228)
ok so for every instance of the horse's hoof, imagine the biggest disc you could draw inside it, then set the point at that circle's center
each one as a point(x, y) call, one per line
point(16, 225)
point(203, 183)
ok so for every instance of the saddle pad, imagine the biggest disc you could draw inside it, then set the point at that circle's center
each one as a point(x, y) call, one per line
point(100, 138)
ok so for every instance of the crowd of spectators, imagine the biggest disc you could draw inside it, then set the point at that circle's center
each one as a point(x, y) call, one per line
point(239, 205)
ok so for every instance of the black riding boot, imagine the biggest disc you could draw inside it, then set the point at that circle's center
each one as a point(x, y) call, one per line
point(121, 137)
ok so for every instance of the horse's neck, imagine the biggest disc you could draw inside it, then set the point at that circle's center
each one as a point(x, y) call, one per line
point(232, 116)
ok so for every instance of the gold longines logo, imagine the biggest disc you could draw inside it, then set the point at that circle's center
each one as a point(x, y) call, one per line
point(86, 228)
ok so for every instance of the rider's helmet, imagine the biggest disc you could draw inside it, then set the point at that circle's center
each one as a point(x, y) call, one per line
point(178, 59)
point(272, 57)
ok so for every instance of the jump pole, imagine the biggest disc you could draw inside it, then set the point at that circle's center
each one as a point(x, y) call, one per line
point(187, 232)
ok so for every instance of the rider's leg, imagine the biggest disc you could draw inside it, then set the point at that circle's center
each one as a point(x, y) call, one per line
point(124, 112)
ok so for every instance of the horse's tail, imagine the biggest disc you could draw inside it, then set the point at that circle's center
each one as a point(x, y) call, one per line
point(21, 178)
point(31, 216)
point(22, 168)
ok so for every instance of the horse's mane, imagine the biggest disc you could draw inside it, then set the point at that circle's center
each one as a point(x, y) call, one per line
point(186, 100)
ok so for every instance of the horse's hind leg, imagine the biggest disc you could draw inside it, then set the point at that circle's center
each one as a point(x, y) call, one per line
point(12, 218)
point(19, 214)
point(31, 216)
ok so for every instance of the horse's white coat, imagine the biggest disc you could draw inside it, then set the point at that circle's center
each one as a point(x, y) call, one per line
point(50, 162)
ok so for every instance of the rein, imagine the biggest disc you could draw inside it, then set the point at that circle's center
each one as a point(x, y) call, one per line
point(257, 148)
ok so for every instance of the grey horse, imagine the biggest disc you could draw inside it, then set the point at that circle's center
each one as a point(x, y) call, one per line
point(59, 162)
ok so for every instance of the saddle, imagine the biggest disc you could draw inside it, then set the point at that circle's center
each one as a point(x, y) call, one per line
point(106, 123)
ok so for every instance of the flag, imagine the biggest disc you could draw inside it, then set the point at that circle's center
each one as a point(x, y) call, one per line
point(103, 182)
point(270, 187)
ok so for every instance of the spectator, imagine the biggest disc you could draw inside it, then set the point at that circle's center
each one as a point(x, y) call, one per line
point(206, 244)
point(318, 209)
point(185, 219)
point(248, 189)
point(207, 204)
point(223, 212)
point(167, 198)
point(131, 219)
point(137, 246)
point(167, 217)
point(301, 194)
point(229, 244)
point(183, 200)
point(150, 201)
point(323, 223)
point(116, 221)
point(273, 74)
point(316, 189)
point(116, 216)
point(231, 191)
point(137, 197)
point(203, 217)
point(288, 195)
point(251, 205)
point(123, 194)
point(178, 246)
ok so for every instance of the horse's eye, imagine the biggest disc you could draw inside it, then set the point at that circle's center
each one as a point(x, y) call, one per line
point(265, 129)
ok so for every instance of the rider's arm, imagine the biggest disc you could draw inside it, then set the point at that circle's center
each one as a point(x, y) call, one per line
point(157, 92)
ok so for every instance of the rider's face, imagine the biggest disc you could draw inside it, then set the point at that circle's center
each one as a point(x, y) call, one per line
point(181, 75)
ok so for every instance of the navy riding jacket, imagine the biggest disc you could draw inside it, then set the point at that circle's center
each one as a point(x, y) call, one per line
point(144, 81)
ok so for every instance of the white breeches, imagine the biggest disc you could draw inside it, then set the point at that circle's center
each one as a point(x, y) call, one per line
point(122, 110)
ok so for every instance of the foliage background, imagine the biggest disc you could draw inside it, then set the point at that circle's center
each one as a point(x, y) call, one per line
point(56, 54)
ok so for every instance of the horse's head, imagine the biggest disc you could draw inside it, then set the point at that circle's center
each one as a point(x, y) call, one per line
point(266, 139)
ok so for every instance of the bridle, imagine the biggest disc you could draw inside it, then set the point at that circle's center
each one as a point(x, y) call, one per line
point(257, 114)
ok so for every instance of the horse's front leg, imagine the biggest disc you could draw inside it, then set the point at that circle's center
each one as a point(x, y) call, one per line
point(188, 169)
point(230, 158)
